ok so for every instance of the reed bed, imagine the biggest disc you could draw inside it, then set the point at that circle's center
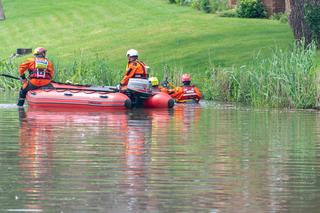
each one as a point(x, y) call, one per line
point(83, 70)
point(286, 79)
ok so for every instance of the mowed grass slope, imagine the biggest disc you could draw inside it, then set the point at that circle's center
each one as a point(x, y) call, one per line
point(164, 34)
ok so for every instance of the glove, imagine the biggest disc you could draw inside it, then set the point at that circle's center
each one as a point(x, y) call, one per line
point(164, 84)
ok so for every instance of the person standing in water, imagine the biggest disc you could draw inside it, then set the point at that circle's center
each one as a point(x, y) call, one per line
point(186, 92)
point(40, 73)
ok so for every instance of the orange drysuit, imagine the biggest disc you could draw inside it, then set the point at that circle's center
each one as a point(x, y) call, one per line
point(40, 71)
point(186, 93)
point(135, 69)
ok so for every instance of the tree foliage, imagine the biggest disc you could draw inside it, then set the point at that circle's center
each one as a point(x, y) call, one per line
point(205, 6)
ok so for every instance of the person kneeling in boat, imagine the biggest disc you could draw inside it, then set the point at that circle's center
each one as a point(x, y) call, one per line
point(155, 87)
point(40, 73)
point(186, 92)
point(135, 69)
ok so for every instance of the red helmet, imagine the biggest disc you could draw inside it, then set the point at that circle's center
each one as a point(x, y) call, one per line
point(39, 51)
point(185, 77)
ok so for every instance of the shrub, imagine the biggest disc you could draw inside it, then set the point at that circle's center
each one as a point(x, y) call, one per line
point(228, 13)
point(205, 6)
point(182, 2)
point(219, 5)
point(172, 1)
point(251, 9)
point(282, 17)
point(196, 4)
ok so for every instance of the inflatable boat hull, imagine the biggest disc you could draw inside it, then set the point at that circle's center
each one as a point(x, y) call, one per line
point(77, 98)
point(159, 100)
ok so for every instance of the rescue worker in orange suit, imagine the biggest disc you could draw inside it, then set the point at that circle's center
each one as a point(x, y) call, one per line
point(40, 73)
point(135, 68)
point(187, 92)
point(156, 87)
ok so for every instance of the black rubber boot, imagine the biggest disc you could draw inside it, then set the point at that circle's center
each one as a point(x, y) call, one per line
point(20, 102)
point(22, 97)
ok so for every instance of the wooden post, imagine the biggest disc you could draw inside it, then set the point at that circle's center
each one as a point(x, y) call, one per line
point(2, 17)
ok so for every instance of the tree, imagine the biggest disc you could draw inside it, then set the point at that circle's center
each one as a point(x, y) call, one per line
point(297, 19)
point(2, 17)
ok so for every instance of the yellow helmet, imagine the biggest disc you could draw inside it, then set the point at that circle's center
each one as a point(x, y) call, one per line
point(154, 81)
point(39, 51)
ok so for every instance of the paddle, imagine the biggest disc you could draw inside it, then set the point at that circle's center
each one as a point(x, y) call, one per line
point(89, 87)
point(10, 76)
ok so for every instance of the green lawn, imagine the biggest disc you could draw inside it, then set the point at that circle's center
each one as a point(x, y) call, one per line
point(164, 34)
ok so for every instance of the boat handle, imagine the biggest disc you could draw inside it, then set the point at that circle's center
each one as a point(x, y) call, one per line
point(67, 94)
point(104, 96)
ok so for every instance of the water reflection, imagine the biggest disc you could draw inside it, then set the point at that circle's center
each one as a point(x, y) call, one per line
point(73, 145)
point(187, 118)
point(53, 146)
point(189, 159)
point(146, 130)
point(35, 162)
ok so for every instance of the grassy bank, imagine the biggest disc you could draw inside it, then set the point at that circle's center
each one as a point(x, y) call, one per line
point(163, 33)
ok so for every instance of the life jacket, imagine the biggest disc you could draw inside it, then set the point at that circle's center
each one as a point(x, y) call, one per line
point(188, 94)
point(40, 70)
point(140, 73)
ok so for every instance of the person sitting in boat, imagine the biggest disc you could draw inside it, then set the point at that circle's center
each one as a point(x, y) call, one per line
point(155, 87)
point(135, 68)
point(40, 73)
point(186, 92)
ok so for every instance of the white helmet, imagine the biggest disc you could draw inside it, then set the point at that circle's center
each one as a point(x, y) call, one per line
point(132, 52)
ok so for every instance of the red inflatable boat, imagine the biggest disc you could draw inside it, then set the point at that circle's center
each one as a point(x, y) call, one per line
point(94, 97)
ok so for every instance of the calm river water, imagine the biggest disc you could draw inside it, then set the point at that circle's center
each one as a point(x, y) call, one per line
point(195, 158)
